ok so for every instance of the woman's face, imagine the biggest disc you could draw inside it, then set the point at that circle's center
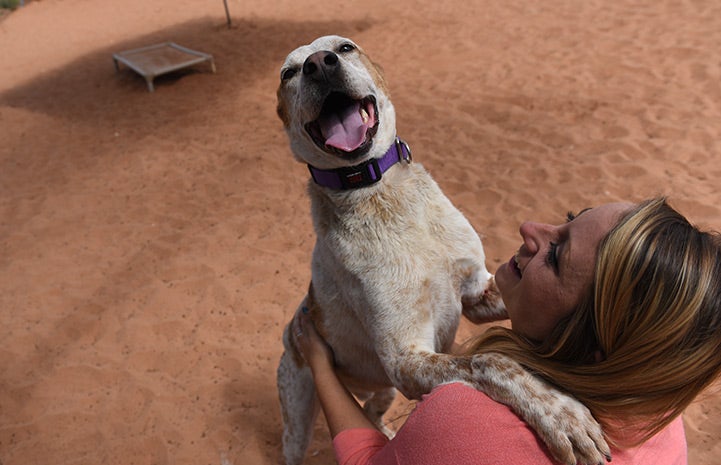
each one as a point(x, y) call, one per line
point(545, 280)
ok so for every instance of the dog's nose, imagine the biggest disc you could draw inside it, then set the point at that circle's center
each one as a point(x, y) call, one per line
point(320, 65)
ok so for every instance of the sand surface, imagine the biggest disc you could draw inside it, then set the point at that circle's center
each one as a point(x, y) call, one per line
point(152, 246)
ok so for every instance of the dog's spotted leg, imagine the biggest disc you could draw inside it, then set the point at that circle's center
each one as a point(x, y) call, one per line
point(564, 424)
point(298, 403)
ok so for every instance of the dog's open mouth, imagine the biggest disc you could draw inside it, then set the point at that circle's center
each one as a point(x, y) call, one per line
point(345, 126)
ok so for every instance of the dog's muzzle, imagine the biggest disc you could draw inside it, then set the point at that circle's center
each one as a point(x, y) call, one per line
point(346, 124)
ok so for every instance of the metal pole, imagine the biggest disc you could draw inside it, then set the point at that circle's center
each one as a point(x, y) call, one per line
point(227, 13)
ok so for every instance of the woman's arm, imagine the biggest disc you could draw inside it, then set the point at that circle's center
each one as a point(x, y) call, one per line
point(453, 424)
point(341, 410)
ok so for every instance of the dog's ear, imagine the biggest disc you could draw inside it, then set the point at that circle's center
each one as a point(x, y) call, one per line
point(377, 72)
point(282, 109)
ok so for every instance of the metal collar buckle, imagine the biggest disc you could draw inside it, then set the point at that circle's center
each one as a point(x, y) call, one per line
point(404, 155)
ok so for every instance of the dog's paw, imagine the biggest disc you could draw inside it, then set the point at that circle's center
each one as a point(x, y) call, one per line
point(485, 306)
point(570, 432)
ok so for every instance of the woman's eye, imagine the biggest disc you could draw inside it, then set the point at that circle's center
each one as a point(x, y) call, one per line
point(551, 258)
point(287, 74)
point(570, 216)
point(345, 48)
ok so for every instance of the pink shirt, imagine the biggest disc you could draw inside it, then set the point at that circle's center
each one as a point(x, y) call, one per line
point(456, 424)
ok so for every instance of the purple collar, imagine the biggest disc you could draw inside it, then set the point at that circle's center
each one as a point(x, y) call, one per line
point(365, 174)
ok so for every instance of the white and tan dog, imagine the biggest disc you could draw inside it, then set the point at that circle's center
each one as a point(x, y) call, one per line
point(394, 265)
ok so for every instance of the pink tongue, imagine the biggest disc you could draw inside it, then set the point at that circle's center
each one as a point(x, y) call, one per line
point(344, 130)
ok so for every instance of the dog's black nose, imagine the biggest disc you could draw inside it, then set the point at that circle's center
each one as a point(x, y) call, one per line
point(320, 65)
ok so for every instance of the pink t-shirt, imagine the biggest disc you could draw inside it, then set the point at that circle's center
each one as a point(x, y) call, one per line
point(456, 424)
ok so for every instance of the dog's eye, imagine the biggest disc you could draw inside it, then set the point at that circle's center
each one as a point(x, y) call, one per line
point(287, 73)
point(345, 48)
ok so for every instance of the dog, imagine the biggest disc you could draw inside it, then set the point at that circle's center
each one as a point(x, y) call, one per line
point(395, 264)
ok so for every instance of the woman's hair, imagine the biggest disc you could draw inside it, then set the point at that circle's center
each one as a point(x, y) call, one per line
point(653, 312)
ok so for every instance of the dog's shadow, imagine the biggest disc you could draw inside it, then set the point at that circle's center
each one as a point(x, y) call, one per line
point(254, 419)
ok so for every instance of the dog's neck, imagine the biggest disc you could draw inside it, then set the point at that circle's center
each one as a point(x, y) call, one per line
point(365, 174)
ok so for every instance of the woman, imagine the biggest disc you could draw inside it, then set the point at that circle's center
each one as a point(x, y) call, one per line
point(620, 307)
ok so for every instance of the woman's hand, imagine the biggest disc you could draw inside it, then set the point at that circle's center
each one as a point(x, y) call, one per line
point(341, 410)
point(314, 350)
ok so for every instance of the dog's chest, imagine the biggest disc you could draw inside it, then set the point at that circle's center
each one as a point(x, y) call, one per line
point(400, 216)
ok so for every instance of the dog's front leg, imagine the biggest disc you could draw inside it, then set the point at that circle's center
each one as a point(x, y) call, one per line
point(564, 424)
point(298, 402)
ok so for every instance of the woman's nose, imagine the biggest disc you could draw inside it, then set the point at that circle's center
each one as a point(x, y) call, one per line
point(535, 235)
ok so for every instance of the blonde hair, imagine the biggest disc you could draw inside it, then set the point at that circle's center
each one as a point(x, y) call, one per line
point(654, 313)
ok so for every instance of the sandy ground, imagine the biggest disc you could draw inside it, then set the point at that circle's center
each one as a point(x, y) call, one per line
point(152, 246)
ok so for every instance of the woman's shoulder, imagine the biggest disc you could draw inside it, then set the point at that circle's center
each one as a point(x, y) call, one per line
point(465, 419)
point(666, 447)
point(460, 400)
point(469, 414)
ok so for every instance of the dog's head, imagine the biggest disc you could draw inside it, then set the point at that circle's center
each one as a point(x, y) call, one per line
point(334, 104)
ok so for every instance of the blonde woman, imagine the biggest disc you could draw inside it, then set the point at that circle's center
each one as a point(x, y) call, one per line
point(620, 307)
